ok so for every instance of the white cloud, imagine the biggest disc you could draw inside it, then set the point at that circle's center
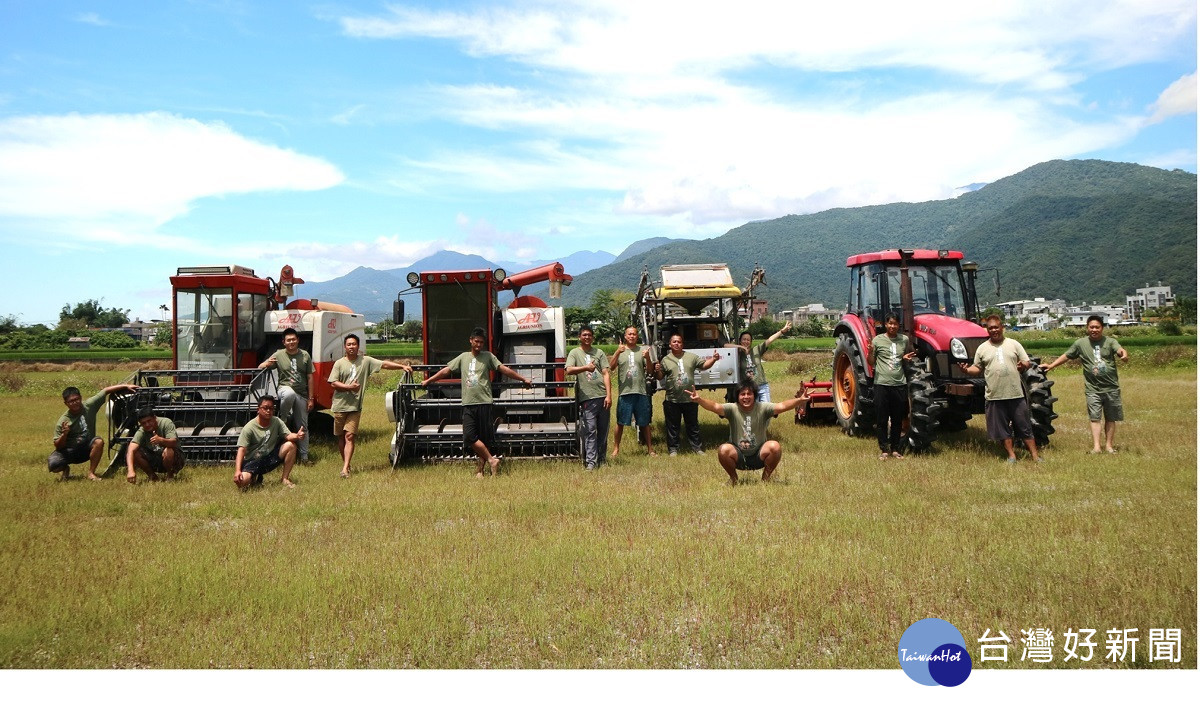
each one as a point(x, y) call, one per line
point(1178, 99)
point(145, 168)
point(92, 18)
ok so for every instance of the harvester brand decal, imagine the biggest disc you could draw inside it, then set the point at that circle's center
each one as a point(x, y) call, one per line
point(332, 325)
point(926, 329)
point(533, 319)
point(288, 320)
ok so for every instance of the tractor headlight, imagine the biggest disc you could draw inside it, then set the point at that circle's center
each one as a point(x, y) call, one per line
point(957, 349)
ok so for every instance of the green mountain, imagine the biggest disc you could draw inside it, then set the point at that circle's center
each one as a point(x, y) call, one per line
point(1077, 230)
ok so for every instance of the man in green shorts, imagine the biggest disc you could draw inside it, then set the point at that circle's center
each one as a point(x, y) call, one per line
point(348, 378)
point(1099, 355)
point(154, 449)
point(295, 384)
point(748, 448)
point(75, 437)
point(630, 364)
point(264, 445)
point(474, 368)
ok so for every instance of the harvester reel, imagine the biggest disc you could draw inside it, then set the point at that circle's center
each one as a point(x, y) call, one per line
point(924, 407)
point(1041, 402)
point(852, 395)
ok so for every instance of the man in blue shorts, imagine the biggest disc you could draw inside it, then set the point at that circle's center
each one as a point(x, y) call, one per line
point(748, 448)
point(629, 364)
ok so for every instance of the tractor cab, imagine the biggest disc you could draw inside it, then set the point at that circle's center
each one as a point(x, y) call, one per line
point(220, 313)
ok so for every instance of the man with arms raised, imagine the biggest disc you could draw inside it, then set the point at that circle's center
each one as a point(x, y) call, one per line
point(751, 363)
point(296, 389)
point(1101, 389)
point(748, 448)
point(264, 445)
point(593, 391)
point(631, 362)
point(1001, 361)
point(349, 381)
point(75, 439)
point(154, 449)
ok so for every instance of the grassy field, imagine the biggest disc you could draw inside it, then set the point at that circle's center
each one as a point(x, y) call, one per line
point(649, 563)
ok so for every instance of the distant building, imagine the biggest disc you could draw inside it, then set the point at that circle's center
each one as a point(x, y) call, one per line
point(798, 315)
point(1158, 296)
point(79, 343)
point(140, 331)
point(758, 309)
point(1034, 314)
point(1076, 316)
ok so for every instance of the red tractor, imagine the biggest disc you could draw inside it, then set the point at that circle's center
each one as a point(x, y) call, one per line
point(934, 294)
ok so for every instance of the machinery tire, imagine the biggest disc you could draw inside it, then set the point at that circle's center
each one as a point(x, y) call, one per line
point(853, 403)
point(1041, 403)
point(925, 408)
point(953, 420)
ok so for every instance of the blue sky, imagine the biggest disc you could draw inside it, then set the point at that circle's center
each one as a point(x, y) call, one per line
point(136, 137)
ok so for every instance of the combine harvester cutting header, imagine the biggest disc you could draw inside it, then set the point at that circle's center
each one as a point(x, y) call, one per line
point(227, 320)
point(527, 335)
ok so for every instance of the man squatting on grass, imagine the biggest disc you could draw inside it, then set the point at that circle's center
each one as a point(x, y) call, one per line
point(631, 362)
point(678, 372)
point(1002, 360)
point(75, 439)
point(154, 449)
point(1101, 389)
point(474, 368)
point(748, 448)
point(750, 360)
point(264, 444)
point(296, 390)
point(349, 381)
point(889, 352)
point(593, 391)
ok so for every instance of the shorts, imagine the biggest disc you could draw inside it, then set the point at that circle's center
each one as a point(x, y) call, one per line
point(633, 406)
point(749, 460)
point(346, 422)
point(1106, 403)
point(155, 459)
point(1000, 412)
point(257, 468)
point(477, 425)
point(61, 458)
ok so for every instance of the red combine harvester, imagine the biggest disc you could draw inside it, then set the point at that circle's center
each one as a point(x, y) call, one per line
point(934, 294)
point(227, 320)
point(526, 334)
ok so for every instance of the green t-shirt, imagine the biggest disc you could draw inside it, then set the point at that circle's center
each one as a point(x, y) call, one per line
point(589, 385)
point(752, 366)
point(748, 430)
point(260, 441)
point(1001, 378)
point(887, 358)
point(346, 372)
point(83, 425)
point(475, 375)
point(166, 429)
point(1099, 363)
point(679, 375)
point(294, 371)
point(631, 370)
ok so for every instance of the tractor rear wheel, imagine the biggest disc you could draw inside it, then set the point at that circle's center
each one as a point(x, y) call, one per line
point(924, 407)
point(1041, 403)
point(853, 402)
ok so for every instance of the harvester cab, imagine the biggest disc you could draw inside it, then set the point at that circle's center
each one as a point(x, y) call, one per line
point(227, 320)
point(933, 293)
point(526, 334)
point(701, 303)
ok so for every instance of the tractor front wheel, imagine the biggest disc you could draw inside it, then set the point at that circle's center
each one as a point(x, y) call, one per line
point(852, 394)
point(1041, 403)
point(924, 407)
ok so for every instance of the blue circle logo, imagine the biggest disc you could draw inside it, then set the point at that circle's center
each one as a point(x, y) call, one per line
point(933, 652)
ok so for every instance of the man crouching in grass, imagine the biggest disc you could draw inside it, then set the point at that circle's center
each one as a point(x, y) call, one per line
point(748, 448)
point(75, 437)
point(154, 449)
point(264, 445)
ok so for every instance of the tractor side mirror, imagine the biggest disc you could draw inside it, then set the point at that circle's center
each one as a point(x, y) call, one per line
point(398, 311)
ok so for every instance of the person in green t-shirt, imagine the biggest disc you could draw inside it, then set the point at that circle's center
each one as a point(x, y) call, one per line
point(1001, 361)
point(155, 448)
point(750, 364)
point(264, 445)
point(748, 448)
point(296, 389)
point(887, 355)
point(474, 368)
point(593, 391)
point(348, 378)
point(1101, 390)
point(678, 373)
point(75, 437)
point(631, 362)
